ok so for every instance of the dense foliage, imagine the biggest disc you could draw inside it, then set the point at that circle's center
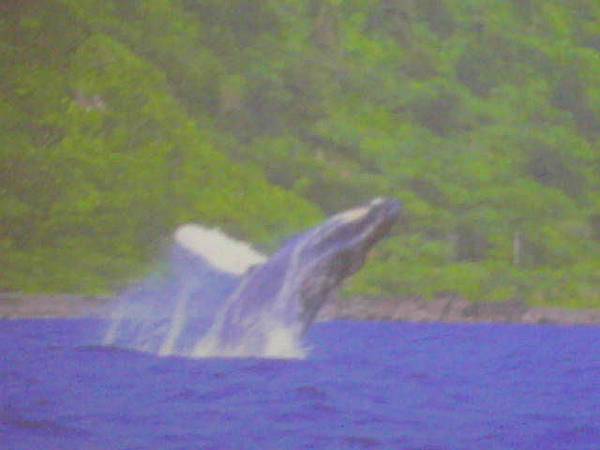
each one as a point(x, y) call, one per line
point(121, 118)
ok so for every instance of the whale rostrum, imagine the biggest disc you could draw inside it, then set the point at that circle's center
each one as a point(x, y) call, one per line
point(222, 298)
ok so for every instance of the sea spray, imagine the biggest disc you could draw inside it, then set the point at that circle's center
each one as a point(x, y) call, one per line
point(168, 313)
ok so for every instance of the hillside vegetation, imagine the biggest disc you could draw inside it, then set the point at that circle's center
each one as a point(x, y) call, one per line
point(120, 119)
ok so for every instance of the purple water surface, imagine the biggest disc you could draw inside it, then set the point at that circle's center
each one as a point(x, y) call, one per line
point(364, 385)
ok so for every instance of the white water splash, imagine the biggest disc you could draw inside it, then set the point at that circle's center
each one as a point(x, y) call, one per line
point(278, 342)
point(157, 315)
point(177, 323)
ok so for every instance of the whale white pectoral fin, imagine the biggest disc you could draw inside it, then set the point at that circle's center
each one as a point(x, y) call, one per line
point(220, 250)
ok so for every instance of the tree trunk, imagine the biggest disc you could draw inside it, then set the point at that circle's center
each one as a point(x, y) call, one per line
point(517, 248)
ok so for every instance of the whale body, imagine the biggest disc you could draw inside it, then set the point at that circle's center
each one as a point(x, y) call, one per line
point(222, 298)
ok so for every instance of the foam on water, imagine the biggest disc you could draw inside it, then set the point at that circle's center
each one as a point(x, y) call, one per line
point(281, 342)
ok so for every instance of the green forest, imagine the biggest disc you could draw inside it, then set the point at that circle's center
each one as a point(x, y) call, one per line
point(121, 119)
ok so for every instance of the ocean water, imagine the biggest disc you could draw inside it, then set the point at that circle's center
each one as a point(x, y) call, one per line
point(362, 385)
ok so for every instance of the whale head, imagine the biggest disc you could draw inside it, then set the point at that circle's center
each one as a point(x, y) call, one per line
point(338, 248)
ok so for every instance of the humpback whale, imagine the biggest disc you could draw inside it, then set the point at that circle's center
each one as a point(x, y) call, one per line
point(220, 297)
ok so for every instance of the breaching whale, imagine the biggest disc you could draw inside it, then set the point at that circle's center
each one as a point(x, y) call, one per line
point(219, 297)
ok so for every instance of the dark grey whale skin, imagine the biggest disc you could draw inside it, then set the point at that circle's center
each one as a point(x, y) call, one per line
point(296, 281)
point(346, 257)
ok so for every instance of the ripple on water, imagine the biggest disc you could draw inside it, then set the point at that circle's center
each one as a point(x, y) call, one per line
point(20, 422)
point(308, 392)
point(360, 442)
point(440, 393)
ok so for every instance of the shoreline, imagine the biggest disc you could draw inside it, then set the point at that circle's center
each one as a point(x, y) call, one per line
point(20, 306)
point(453, 310)
point(447, 310)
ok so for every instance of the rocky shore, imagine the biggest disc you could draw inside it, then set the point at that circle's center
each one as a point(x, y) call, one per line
point(453, 310)
point(447, 309)
point(19, 306)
